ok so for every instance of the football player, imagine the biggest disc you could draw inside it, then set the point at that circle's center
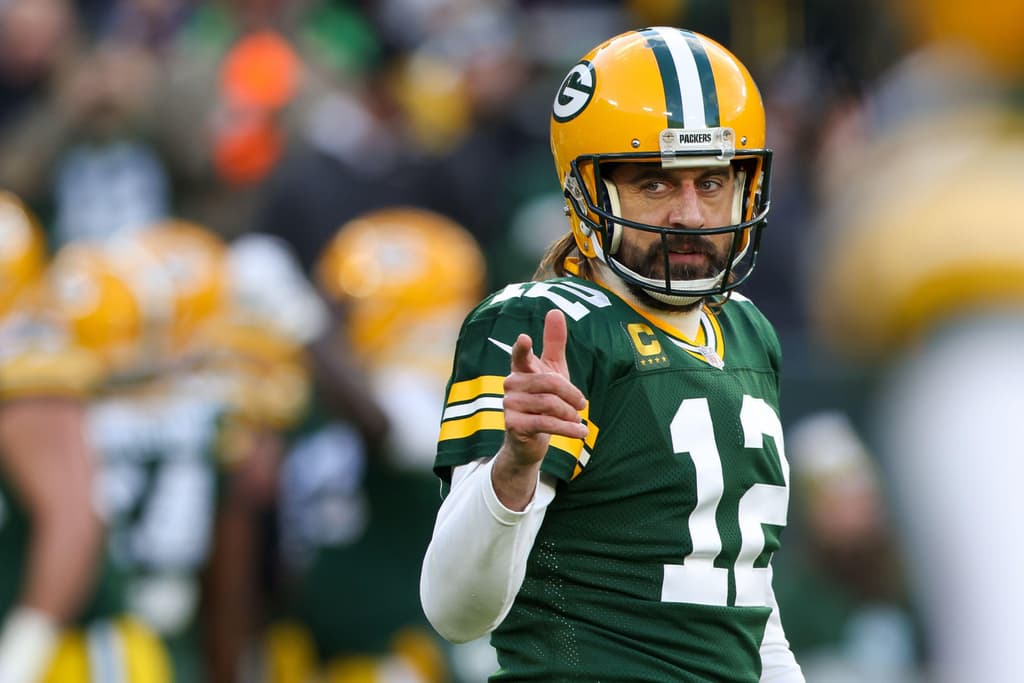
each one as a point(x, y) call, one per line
point(59, 600)
point(155, 469)
point(195, 385)
point(611, 444)
point(402, 280)
point(922, 280)
point(255, 354)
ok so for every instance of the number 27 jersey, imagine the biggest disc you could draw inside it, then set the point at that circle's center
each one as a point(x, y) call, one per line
point(652, 563)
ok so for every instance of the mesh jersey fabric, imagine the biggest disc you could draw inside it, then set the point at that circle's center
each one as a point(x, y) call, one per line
point(651, 561)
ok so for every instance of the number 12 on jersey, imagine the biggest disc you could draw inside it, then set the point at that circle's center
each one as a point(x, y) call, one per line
point(697, 579)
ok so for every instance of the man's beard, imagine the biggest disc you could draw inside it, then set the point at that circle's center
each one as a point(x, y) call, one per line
point(650, 263)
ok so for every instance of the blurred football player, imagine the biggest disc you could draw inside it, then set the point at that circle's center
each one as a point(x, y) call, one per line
point(404, 279)
point(194, 386)
point(59, 601)
point(256, 355)
point(844, 591)
point(922, 279)
point(401, 279)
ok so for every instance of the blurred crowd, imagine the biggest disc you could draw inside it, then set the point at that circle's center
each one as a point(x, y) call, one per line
point(237, 238)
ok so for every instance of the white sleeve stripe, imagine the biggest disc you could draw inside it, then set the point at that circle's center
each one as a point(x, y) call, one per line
point(464, 409)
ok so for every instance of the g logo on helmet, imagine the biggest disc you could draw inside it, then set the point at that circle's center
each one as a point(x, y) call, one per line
point(575, 92)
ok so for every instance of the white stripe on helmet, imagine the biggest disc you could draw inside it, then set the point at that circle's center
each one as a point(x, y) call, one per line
point(691, 92)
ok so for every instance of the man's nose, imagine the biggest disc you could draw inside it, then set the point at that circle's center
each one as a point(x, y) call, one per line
point(686, 211)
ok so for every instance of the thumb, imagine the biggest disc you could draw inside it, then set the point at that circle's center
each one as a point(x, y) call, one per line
point(556, 334)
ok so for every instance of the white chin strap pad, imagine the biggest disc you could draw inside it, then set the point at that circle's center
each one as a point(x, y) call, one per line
point(614, 229)
point(739, 189)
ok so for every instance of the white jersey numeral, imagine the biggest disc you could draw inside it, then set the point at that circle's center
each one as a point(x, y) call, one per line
point(547, 290)
point(697, 579)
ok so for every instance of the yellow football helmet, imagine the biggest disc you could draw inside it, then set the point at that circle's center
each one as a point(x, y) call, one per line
point(401, 268)
point(98, 304)
point(434, 100)
point(994, 34)
point(189, 260)
point(22, 249)
point(968, 251)
point(672, 97)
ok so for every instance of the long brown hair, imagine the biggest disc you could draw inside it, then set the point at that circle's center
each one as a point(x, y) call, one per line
point(552, 264)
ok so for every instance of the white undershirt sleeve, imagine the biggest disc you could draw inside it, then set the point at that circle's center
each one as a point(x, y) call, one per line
point(476, 560)
point(778, 665)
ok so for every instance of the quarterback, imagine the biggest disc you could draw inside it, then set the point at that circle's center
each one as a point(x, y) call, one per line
point(614, 498)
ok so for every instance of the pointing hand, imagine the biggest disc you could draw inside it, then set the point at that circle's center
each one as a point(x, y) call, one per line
point(540, 401)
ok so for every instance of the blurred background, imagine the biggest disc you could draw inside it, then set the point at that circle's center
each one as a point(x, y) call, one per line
point(263, 220)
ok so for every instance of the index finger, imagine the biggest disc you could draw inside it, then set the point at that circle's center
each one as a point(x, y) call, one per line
point(556, 334)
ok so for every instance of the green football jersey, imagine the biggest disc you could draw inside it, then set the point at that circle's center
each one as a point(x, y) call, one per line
point(158, 483)
point(652, 563)
point(352, 533)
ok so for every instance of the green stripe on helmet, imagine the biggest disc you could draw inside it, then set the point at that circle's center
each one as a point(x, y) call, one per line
point(669, 78)
point(707, 79)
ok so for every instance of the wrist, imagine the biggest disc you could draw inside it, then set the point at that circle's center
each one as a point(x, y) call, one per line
point(514, 483)
point(27, 640)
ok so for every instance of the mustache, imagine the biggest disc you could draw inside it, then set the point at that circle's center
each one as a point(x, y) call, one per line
point(681, 243)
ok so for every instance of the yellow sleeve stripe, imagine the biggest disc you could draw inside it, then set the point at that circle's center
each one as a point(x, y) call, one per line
point(485, 419)
point(495, 420)
point(574, 447)
point(491, 419)
point(471, 388)
point(568, 444)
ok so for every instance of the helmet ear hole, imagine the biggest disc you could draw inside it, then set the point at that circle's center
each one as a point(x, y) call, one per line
point(610, 201)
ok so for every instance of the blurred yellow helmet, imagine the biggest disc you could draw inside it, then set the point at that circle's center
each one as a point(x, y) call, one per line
point(96, 301)
point(191, 261)
point(398, 269)
point(433, 97)
point(671, 97)
point(993, 32)
point(22, 249)
point(920, 236)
